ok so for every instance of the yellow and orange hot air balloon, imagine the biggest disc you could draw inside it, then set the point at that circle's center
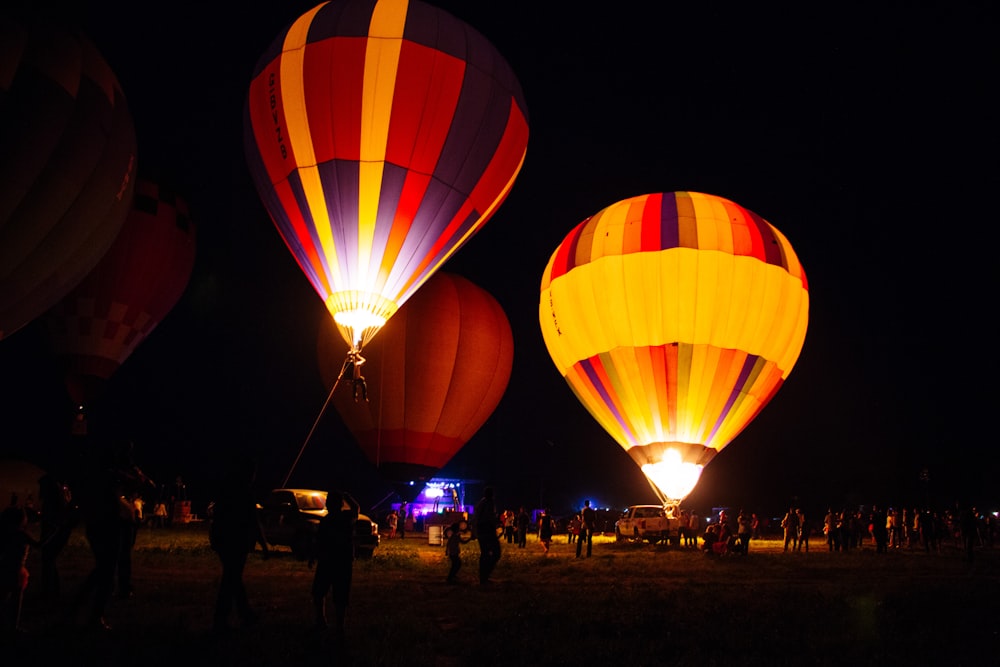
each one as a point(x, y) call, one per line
point(435, 374)
point(674, 317)
point(381, 136)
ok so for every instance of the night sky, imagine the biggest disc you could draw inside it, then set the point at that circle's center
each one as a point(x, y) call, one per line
point(869, 140)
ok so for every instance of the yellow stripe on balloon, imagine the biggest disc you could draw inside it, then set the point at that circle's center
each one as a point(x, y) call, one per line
point(300, 137)
point(385, 42)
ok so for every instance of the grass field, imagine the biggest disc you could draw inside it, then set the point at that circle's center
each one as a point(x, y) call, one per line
point(627, 605)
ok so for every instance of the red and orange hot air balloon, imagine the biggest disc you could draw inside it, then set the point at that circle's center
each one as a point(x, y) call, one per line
point(435, 374)
point(674, 318)
point(381, 136)
point(67, 165)
point(136, 284)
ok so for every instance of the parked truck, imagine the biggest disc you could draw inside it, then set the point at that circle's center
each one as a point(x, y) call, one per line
point(649, 523)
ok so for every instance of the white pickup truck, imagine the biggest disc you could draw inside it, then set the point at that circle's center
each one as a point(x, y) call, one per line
point(650, 523)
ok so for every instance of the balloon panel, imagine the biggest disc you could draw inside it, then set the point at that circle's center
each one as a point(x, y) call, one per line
point(435, 374)
point(381, 137)
point(67, 165)
point(674, 318)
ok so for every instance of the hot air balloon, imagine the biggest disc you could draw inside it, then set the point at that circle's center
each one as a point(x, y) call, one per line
point(136, 284)
point(674, 317)
point(381, 136)
point(435, 374)
point(67, 162)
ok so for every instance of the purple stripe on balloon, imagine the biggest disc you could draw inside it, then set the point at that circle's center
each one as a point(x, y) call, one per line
point(340, 181)
point(741, 381)
point(669, 232)
point(589, 368)
point(477, 128)
point(772, 247)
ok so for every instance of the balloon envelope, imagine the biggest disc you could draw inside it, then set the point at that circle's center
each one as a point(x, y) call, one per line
point(67, 162)
point(381, 136)
point(100, 323)
point(674, 318)
point(435, 374)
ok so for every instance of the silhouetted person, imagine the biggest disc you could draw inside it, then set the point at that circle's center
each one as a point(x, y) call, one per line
point(14, 546)
point(487, 523)
point(453, 550)
point(334, 558)
point(968, 523)
point(522, 527)
point(102, 490)
point(132, 482)
point(234, 531)
point(59, 517)
point(588, 521)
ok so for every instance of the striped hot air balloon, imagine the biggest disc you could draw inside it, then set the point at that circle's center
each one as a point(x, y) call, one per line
point(381, 136)
point(674, 318)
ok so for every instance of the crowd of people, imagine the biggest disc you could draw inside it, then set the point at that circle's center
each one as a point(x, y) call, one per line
point(105, 499)
point(892, 528)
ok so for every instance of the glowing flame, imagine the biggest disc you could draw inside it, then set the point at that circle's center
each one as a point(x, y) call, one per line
point(672, 475)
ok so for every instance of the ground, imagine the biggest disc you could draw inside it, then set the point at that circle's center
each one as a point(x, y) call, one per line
point(629, 603)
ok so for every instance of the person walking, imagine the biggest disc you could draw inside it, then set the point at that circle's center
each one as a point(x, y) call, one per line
point(588, 521)
point(233, 533)
point(334, 558)
point(487, 523)
point(545, 530)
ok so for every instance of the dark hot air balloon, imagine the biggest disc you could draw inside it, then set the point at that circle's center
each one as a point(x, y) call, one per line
point(67, 162)
point(136, 284)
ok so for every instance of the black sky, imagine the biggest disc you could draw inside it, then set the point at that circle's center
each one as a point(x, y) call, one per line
point(869, 140)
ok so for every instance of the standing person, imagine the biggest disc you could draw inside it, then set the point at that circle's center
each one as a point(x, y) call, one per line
point(453, 550)
point(59, 518)
point(103, 512)
point(487, 523)
point(132, 482)
point(694, 529)
point(968, 524)
point(880, 534)
point(790, 524)
point(803, 532)
point(393, 523)
point(545, 530)
point(334, 557)
point(508, 525)
point(743, 532)
point(573, 529)
point(588, 521)
point(401, 521)
point(234, 531)
point(522, 528)
point(14, 546)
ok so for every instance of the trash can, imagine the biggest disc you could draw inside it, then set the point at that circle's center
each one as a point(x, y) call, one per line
point(434, 535)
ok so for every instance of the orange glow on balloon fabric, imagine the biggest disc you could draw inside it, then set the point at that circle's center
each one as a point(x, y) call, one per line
point(435, 374)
